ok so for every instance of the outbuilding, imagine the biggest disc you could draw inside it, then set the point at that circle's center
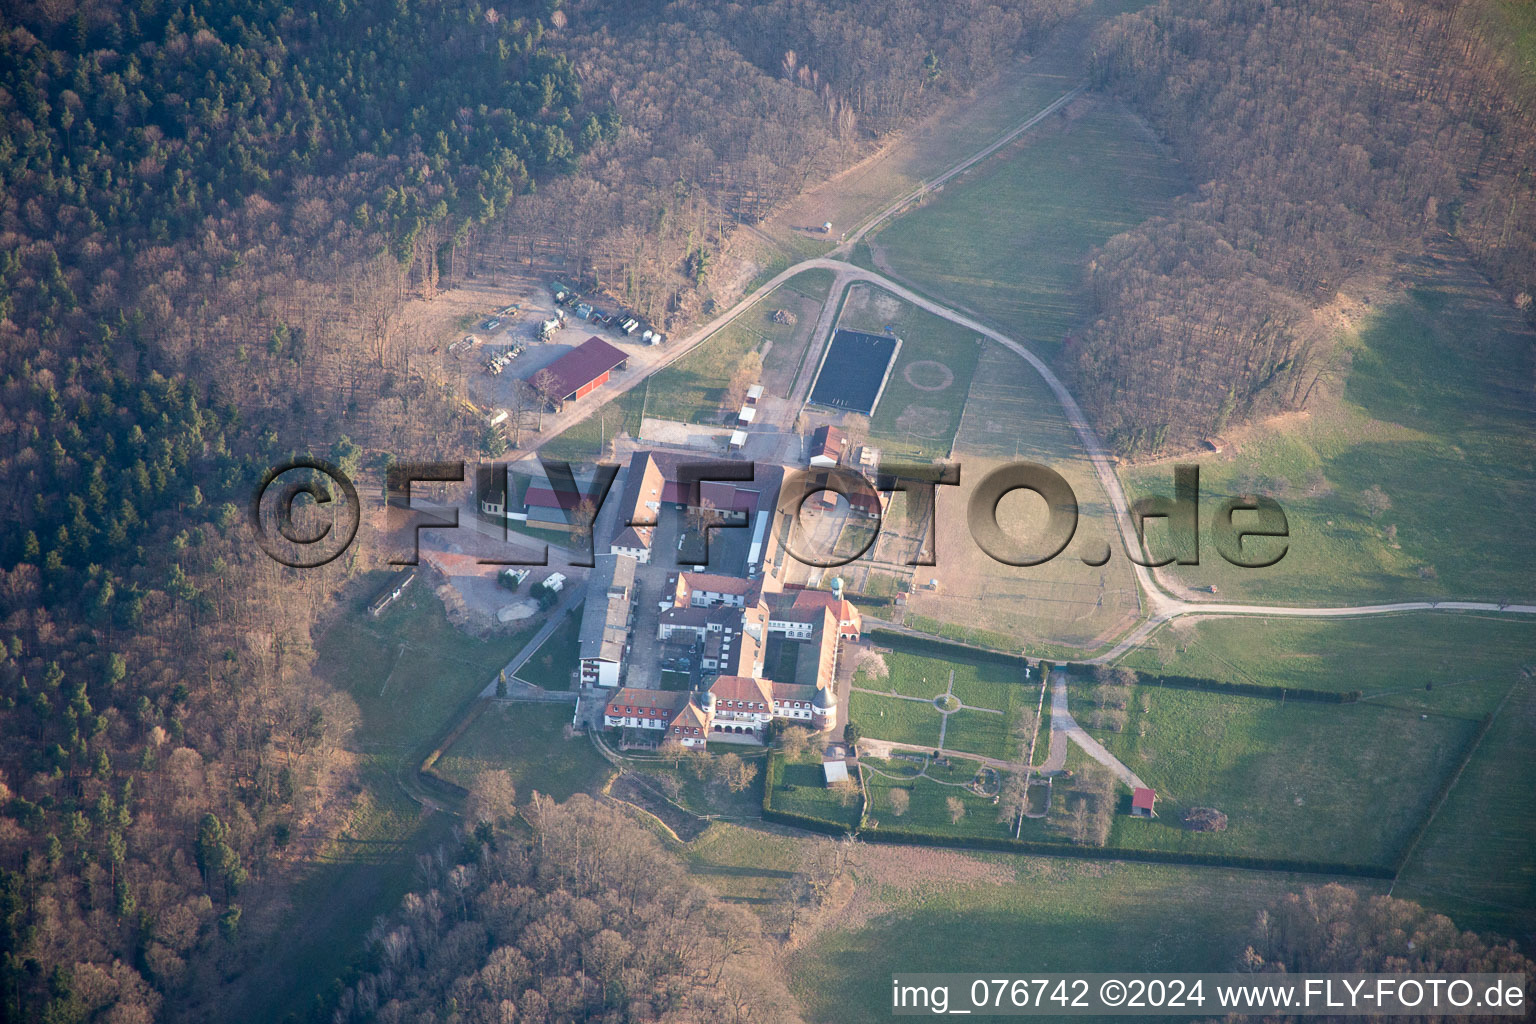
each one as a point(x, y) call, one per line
point(1142, 800)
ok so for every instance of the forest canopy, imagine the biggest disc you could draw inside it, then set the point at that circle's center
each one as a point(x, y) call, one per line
point(1331, 140)
point(211, 217)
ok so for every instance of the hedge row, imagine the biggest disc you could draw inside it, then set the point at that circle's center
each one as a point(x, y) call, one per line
point(927, 648)
point(1005, 844)
point(806, 821)
point(810, 823)
point(1442, 793)
point(1009, 845)
point(1251, 689)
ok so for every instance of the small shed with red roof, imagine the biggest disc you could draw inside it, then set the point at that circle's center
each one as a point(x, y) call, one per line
point(1142, 800)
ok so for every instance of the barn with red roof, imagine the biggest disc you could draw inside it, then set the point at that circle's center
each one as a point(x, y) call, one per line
point(580, 371)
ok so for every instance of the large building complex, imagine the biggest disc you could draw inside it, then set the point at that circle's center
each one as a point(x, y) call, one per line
point(752, 649)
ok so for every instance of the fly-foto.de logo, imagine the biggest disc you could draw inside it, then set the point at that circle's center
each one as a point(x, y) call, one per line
point(305, 512)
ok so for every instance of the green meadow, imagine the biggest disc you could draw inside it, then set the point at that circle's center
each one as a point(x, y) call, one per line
point(1408, 486)
point(1010, 238)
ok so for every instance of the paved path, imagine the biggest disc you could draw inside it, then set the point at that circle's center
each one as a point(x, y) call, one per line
point(1157, 603)
point(882, 748)
point(1177, 608)
point(1064, 727)
point(569, 598)
point(960, 168)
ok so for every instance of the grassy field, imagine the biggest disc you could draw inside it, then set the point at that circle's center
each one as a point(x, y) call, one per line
point(1472, 661)
point(928, 797)
point(745, 865)
point(800, 787)
point(408, 672)
point(978, 732)
point(585, 441)
point(891, 718)
point(1436, 412)
point(557, 658)
point(1010, 238)
point(1490, 883)
point(1317, 781)
point(693, 388)
point(978, 682)
point(1469, 659)
point(909, 674)
point(929, 910)
point(528, 742)
point(926, 390)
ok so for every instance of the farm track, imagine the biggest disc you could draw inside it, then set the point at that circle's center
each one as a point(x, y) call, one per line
point(1158, 604)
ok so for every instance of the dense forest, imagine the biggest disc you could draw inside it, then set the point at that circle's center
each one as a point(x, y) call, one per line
point(578, 913)
point(212, 216)
point(1331, 139)
point(588, 919)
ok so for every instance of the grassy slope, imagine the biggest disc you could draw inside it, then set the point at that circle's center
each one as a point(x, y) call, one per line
point(1470, 659)
point(745, 865)
point(1489, 884)
point(432, 669)
point(527, 741)
point(1011, 238)
point(1056, 915)
point(1437, 412)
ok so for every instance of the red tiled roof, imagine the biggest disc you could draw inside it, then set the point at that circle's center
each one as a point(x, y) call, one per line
point(723, 496)
point(689, 721)
point(543, 497)
point(638, 703)
point(642, 485)
point(1142, 799)
point(748, 688)
point(829, 441)
point(717, 583)
point(633, 538)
